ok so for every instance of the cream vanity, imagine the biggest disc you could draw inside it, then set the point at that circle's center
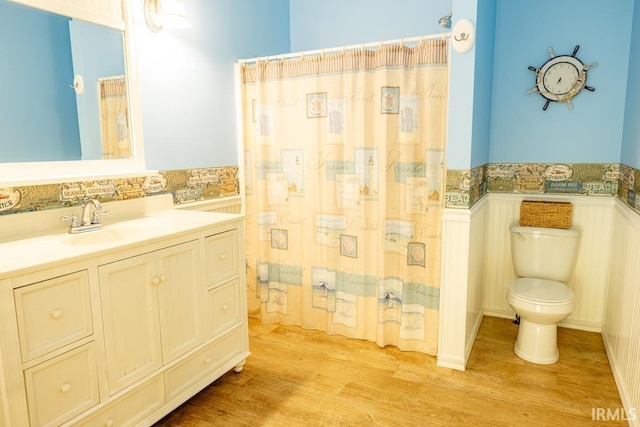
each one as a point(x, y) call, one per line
point(118, 326)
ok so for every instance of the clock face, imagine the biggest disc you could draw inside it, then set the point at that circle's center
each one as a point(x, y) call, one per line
point(560, 78)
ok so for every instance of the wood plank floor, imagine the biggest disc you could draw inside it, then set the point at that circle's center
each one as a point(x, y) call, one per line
point(298, 377)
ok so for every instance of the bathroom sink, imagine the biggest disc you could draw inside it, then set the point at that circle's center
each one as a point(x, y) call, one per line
point(107, 235)
point(36, 239)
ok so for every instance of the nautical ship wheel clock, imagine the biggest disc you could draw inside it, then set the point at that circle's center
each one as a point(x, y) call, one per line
point(561, 78)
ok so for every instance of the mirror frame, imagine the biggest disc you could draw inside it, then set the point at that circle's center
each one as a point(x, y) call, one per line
point(33, 173)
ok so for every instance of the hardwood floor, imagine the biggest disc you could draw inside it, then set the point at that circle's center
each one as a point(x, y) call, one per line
point(298, 377)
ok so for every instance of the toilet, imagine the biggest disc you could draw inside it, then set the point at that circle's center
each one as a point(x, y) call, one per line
point(543, 259)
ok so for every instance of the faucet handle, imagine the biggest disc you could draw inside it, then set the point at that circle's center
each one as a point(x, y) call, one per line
point(95, 219)
point(73, 218)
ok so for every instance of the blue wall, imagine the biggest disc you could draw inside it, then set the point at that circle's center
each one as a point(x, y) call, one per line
point(188, 86)
point(631, 134)
point(592, 132)
point(187, 78)
point(335, 23)
point(483, 88)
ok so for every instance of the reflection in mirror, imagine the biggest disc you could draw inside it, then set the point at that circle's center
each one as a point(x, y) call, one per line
point(45, 57)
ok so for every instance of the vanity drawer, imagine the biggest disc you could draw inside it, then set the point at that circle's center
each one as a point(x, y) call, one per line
point(130, 409)
point(222, 256)
point(185, 375)
point(62, 387)
point(224, 307)
point(53, 313)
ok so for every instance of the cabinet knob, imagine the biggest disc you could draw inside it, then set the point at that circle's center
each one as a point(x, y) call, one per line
point(110, 422)
point(56, 314)
point(64, 388)
point(155, 281)
point(222, 256)
point(224, 307)
point(207, 360)
point(163, 278)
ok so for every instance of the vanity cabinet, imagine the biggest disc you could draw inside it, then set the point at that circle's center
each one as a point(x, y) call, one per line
point(123, 333)
point(152, 311)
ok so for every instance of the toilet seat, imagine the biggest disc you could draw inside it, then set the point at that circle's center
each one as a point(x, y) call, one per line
point(540, 291)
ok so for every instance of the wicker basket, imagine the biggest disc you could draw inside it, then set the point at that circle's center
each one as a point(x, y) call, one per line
point(550, 214)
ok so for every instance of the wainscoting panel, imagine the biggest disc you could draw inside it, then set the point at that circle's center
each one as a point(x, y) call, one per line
point(592, 215)
point(463, 236)
point(621, 329)
point(456, 225)
point(232, 204)
point(477, 240)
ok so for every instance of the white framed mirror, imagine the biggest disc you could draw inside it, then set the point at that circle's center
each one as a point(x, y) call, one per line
point(46, 141)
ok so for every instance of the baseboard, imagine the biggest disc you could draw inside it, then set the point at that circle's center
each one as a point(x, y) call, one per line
point(633, 412)
point(451, 362)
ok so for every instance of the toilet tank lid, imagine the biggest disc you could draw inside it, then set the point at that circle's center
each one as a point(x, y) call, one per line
point(523, 229)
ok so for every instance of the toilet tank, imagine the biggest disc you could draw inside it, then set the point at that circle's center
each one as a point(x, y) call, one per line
point(544, 253)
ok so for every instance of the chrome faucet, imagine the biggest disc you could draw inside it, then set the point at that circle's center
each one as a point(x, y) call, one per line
point(86, 219)
point(89, 221)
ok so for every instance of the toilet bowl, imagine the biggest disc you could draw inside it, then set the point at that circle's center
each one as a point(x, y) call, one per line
point(541, 305)
point(543, 259)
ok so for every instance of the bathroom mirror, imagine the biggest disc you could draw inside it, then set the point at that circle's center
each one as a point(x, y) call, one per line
point(67, 106)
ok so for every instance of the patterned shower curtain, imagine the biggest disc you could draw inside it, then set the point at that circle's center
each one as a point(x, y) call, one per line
point(114, 118)
point(344, 163)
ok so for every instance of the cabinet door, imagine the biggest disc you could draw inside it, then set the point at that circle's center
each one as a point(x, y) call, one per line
point(181, 298)
point(129, 296)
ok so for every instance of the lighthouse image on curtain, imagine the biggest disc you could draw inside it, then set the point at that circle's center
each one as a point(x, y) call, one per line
point(293, 167)
point(366, 162)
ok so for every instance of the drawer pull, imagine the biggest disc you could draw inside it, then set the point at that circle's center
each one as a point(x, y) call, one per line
point(207, 360)
point(64, 388)
point(110, 422)
point(224, 307)
point(222, 256)
point(56, 314)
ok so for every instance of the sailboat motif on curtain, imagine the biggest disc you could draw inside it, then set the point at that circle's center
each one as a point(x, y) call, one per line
point(344, 161)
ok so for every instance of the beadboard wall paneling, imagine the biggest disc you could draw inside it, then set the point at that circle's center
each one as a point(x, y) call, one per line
point(476, 273)
point(232, 204)
point(592, 215)
point(456, 225)
point(621, 328)
point(463, 235)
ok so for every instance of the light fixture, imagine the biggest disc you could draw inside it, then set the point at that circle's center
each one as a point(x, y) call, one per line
point(161, 14)
point(445, 21)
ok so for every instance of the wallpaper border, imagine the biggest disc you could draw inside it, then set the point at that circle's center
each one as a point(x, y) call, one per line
point(185, 185)
point(465, 187)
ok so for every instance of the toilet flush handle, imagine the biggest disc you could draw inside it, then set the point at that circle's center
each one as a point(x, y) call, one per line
point(521, 236)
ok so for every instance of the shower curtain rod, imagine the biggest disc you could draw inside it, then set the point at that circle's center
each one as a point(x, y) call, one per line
point(345, 48)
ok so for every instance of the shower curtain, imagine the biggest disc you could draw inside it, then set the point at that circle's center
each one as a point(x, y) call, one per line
point(113, 115)
point(344, 157)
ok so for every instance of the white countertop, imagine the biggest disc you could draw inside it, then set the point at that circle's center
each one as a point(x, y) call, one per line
point(45, 248)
